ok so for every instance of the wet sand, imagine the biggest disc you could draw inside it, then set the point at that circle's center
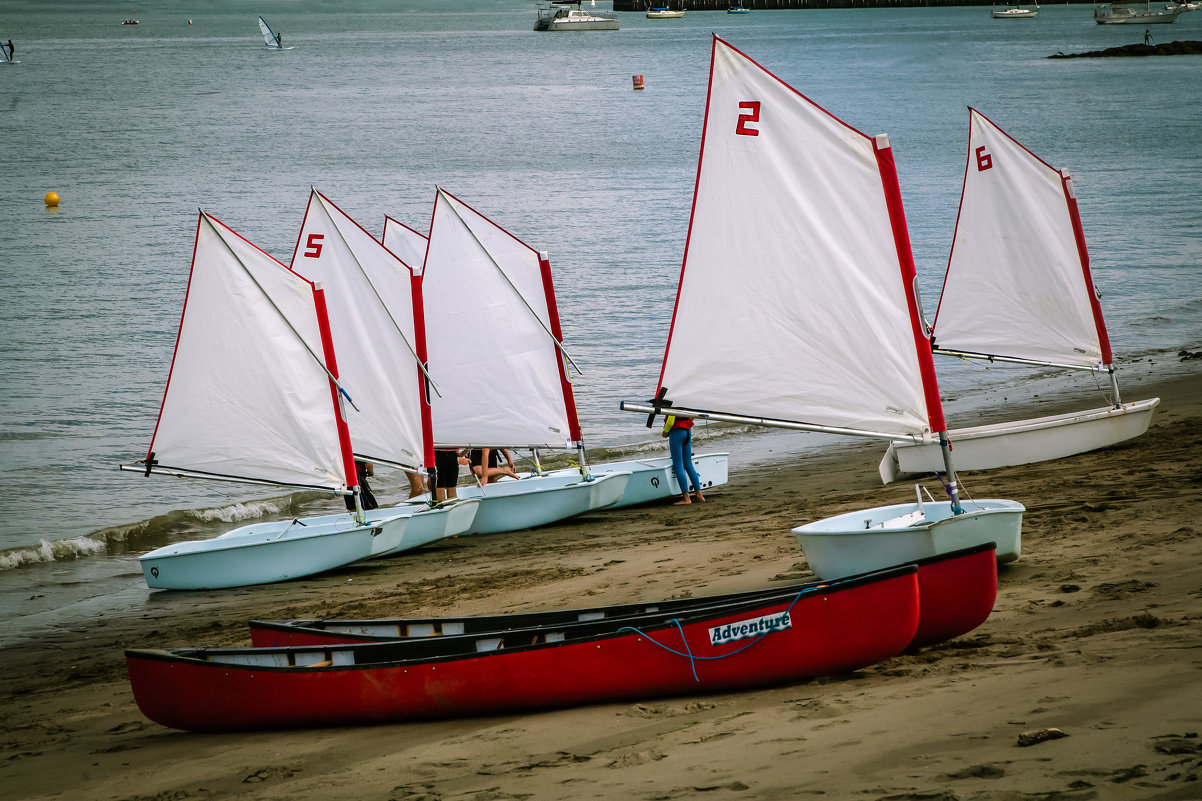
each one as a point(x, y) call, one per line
point(1097, 632)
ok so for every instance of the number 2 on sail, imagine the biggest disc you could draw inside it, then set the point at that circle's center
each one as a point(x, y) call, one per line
point(752, 114)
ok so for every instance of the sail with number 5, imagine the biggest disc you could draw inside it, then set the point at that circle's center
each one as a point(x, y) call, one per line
point(1018, 290)
point(797, 303)
point(253, 396)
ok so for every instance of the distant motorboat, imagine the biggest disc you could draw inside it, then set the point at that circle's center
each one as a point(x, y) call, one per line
point(129, 22)
point(664, 13)
point(560, 15)
point(1136, 14)
point(1015, 12)
point(737, 10)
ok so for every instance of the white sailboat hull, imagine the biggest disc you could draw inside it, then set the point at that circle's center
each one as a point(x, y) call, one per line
point(513, 505)
point(263, 553)
point(1024, 441)
point(654, 479)
point(870, 539)
point(430, 525)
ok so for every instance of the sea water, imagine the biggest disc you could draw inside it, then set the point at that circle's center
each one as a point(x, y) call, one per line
point(380, 101)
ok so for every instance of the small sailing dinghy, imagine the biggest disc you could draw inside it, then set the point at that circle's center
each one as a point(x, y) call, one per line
point(497, 360)
point(820, 630)
point(1018, 290)
point(956, 593)
point(271, 39)
point(375, 310)
point(651, 479)
point(797, 307)
point(253, 396)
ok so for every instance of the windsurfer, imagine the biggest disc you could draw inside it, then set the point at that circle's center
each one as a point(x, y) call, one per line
point(679, 431)
point(11, 49)
point(279, 41)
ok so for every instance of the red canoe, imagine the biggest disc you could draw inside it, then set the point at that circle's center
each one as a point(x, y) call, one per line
point(956, 591)
point(831, 629)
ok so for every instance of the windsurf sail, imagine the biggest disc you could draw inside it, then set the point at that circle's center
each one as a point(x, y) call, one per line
point(270, 39)
point(252, 393)
point(493, 336)
point(375, 310)
point(796, 304)
point(1018, 284)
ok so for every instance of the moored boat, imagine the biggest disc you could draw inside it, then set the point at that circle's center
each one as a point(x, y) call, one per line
point(957, 591)
point(664, 13)
point(1119, 13)
point(839, 628)
point(567, 15)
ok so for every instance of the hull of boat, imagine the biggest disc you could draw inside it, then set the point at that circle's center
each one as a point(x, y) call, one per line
point(665, 14)
point(1127, 16)
point(1016, 13)
point(870, 539)
point(654, 480)
point(840, 629)
point(957, 592)
point(539, 501)
point(430, 525)
point(1024, 441)
point(264, 553)
point(595, 24)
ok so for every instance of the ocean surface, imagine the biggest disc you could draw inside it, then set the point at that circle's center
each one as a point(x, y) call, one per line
point(380, 101)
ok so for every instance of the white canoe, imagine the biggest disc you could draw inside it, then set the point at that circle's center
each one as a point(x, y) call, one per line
point(1024, 441)
point(654, 479)
point(513, 505)
point(871, 539)
point(263, 553)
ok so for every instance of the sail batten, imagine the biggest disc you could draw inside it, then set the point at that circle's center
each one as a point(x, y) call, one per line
point(796, 247)
point(1018, 282)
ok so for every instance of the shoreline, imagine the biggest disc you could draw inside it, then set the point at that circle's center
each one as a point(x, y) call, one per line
point(1095, 632)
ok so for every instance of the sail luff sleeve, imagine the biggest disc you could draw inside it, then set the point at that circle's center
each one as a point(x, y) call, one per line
point(569, 397)
point(1095, 304)
point(905, 256)
point(327, 345)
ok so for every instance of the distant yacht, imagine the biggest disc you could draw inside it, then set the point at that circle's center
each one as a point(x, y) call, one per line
point(567, 15)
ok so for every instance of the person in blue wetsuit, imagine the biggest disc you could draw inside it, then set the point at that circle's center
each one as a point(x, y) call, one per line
point(679, 431)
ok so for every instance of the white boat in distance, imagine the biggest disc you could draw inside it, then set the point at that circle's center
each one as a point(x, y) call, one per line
point(664, 13)
point(1136, 13)
point(1018, 290)
point(497, 363)
point(1015, 12)
point(797, 237)
point(567, 15)
point(253, 396)
point(651, 479)
point(271, 40)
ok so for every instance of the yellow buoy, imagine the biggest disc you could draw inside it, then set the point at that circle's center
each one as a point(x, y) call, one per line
point(51, 198)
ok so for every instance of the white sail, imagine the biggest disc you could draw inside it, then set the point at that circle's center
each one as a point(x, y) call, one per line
point(269, 37)
point(1018, 281)
point(794, 300)
point(407, 244)
point(488, 330)
point(370, 299)
point(249, 395)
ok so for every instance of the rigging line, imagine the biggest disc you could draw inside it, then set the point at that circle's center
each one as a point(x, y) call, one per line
point(376, 292)
point(558, 345)
point(283, 316)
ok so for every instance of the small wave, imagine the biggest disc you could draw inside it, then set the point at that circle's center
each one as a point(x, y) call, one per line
point(46, 551)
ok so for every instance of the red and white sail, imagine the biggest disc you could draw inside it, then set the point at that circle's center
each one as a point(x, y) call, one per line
point(492, 332)
point(374, 306)
point(1018, 282)
point(796, 298)
point(407, 244)
point(251, 393)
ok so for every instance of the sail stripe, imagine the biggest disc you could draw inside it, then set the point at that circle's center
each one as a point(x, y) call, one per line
point(1095, 304)
point(327, 345)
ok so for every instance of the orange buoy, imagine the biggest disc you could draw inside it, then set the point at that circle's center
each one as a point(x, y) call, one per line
point(51, 199)
point(638, 81)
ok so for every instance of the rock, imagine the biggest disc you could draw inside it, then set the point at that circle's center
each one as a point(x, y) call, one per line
point(1038, 736)
point(1187, 48)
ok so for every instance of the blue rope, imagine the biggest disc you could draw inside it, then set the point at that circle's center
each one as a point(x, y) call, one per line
point(688, 653)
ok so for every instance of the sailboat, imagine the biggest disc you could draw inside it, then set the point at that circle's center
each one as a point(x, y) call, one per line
point(797, 308)
point(253, 396)
point(651, 478)
point(1015, 11)
point(497, 360)
point(375, 311)
point(271, 39)
point(1018, 289)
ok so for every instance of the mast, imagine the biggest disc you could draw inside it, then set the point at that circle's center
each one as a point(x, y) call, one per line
point(344, 432)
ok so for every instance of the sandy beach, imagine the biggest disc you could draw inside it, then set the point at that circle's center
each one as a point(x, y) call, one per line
point(1097, 632)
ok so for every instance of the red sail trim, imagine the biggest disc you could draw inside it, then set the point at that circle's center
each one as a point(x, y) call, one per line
point(569, 397)
point(327, 347)
point(179, 331)
point(1095, 304)
point(905, 257)
point(419, 336)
